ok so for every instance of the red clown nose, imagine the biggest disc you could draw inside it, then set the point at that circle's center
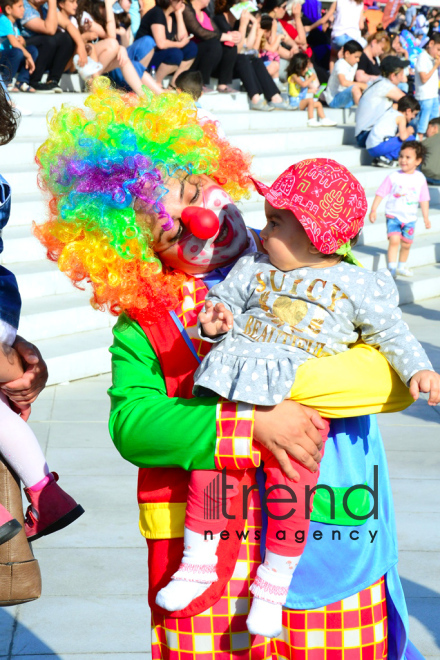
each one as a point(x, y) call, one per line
point(202, 223)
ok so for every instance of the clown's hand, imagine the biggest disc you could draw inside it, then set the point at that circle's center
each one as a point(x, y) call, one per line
point(426, 381)
point(216, 320)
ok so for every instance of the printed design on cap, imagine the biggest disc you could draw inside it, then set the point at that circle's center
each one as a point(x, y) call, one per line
point(326, 198)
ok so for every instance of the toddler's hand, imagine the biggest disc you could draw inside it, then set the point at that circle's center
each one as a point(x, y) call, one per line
point(426, 381)
point(427, 224)
point(373, 216)
point(216, 320)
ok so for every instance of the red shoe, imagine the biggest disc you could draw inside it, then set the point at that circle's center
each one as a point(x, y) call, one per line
point(54, 507)
point(9, 526)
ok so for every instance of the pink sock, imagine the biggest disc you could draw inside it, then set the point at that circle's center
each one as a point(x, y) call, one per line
point(41, 484)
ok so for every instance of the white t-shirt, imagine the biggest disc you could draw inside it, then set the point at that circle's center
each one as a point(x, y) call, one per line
point(385, 127)
point(373, 103)
point(347, 18)
point(333, 85)
point(404, 192)
point(429, 90)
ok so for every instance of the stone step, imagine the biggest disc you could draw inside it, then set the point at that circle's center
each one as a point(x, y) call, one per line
point(293, 140)
point(77, 355)
point(38, 279)
point(20, 245)
point(56, 316)
point(425, 284)
point(424, 251)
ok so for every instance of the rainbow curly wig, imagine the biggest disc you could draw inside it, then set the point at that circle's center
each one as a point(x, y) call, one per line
point(96, 162)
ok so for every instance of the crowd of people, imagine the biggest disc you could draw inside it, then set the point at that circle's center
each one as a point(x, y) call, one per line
point(262, 43)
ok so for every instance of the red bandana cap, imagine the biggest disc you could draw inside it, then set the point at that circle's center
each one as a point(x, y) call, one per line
point(325, 197)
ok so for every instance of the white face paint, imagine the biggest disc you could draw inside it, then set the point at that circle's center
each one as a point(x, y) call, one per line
point(222, 248)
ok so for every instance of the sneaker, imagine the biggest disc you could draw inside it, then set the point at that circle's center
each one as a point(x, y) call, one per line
point(56, 86)
point(9, 526)
point(327, 122)
point(262, 106)
point(50, 510)
point(383, 161)
point(404, 272)
point(280, 106)
point(44, 88)
point(313, 123)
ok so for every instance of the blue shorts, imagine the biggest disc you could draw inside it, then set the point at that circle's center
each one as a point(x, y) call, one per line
point(340, 41)
point(136, 52)
point(343, 99)
point(405, 230)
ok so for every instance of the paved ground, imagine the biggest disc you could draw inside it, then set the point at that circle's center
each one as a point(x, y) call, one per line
point(95, 573)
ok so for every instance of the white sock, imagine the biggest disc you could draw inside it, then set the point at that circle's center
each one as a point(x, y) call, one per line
point(19, 446)
point(392, 265)
point(270, 590)
point(196, 572)
point(401, 264)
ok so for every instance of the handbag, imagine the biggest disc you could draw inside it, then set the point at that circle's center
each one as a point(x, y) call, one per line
point(20, 577)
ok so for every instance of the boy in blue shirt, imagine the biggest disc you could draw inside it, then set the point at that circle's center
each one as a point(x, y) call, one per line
point(16, 60)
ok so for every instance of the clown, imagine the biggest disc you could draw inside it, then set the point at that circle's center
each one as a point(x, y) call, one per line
point(143, 206)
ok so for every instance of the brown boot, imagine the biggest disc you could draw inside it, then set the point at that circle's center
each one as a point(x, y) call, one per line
point(53, 507)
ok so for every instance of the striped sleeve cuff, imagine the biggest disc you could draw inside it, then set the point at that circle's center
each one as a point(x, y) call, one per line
point(235, 429)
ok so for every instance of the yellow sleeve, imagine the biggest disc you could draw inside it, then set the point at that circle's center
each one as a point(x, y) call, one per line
point(357, 382)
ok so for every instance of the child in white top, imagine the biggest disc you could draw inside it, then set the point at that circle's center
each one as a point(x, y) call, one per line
point(299, 85)
point(427, 81)
point(405, 189)
point(342, 91)
point(387, 135)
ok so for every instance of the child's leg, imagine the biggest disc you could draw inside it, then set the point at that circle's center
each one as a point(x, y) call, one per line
point(203, 512)
point(319, 109)
point(307, 104)
point(393, 234)
point(51, 508)
point(406, 241)
point(20, 448)
point(285, 542)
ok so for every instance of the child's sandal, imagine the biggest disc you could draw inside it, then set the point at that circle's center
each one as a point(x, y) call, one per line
point(24, 87)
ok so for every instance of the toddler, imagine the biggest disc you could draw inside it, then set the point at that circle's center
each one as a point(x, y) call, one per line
point(273, 312)
point(299, 84)
point(342, 91)
point(16, 60)
point(269, 43)
point(50, 507)
point(391, 130)
point(405, 189)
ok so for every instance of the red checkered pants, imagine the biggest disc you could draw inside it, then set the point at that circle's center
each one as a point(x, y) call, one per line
point(354, 628)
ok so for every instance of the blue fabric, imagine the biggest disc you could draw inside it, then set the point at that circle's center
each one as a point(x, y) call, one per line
point(30, 13)
point(429, 109)
point(340, 41)
point(13, 63)
point(361, 139)
point(136, 52)
point(312, 10)
point(174, 56)
point(10, 301)
point(390, 148)
point(405, 229)
point(433, 182)
point(135, 16)
point(6, 27)
point(343, 99)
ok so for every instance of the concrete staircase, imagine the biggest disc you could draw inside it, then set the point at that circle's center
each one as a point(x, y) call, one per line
point(73, 337)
